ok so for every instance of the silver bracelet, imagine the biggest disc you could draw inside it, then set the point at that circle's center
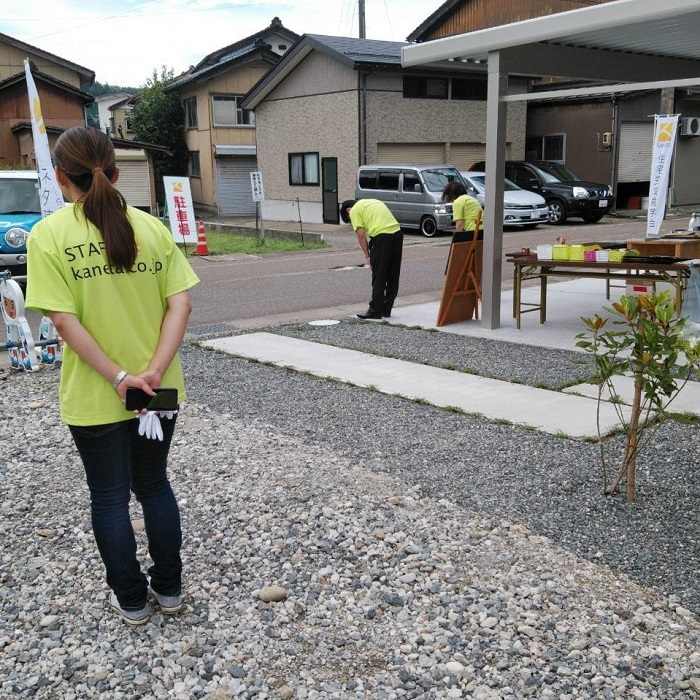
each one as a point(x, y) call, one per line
point(119, 378)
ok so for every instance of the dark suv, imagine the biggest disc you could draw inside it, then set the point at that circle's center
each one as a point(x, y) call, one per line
point(564, 191)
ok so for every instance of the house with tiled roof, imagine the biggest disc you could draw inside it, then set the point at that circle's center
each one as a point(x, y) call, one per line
point(332, 104)
point(219, 133)
point(61, 86)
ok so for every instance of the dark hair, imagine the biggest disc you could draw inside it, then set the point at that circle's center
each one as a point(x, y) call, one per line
point(344, 207)
point(86, 157)
point(453, 190)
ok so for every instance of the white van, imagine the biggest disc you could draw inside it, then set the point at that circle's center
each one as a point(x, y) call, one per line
point(412, 192)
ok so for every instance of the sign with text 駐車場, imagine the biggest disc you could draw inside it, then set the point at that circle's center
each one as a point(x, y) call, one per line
point(178, 197)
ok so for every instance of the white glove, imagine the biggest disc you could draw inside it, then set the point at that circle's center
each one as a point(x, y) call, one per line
point(149, 425)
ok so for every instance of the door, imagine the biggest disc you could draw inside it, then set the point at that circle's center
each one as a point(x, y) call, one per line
point(329, 170)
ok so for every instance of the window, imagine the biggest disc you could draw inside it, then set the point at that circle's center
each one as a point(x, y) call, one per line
point(411, 183)
point(545, 148)
point(127, 121)
point(368, 179)
point(281, 47)
point(469, 88)
point(303, 169)
point(420, 86)
point(191, 113)
point(193, 169)
point(388, 180)
point(226, 112)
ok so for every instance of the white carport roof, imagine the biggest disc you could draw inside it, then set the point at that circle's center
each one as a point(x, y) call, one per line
point(627, 44)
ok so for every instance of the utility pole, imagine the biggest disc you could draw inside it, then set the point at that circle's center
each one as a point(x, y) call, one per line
point(361, 6)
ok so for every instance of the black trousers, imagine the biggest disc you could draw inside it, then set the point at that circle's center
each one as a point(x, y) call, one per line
point(385, 252)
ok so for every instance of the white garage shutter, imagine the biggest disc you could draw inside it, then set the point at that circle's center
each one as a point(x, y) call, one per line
point(464, 155)
point(636, 145)
point(134, 183)
point(410, 153)
point(235, 195)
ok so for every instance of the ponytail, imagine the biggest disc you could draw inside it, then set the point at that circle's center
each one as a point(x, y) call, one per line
point(86, 157)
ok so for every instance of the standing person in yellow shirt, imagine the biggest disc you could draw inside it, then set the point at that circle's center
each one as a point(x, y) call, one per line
point(381, 241)
point(115, 285)
point(465, 210)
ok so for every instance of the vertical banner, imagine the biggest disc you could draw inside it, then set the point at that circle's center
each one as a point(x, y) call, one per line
point(178, 196)
point(51, 197)
point(664, 143)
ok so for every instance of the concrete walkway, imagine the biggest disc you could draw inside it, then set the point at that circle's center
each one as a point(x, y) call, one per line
point(550, 411)
point(573, 412)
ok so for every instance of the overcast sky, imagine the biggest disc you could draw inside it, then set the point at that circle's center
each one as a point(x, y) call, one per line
point(124, 40)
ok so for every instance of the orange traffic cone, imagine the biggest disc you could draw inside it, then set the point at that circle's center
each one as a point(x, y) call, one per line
point(202, 247)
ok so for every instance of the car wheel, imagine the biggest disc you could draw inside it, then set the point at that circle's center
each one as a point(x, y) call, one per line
point(428, 227)
point(593, 218)
point(557, 214)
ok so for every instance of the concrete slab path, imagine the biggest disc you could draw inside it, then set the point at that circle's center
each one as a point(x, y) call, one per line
point(549, 411)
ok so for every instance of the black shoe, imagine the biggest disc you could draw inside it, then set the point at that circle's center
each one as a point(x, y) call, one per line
point(370, 316)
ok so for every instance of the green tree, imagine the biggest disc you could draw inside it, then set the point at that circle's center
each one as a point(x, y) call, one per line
point(158, 118)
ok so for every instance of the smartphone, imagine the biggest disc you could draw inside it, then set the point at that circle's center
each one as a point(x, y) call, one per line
point(164, 400)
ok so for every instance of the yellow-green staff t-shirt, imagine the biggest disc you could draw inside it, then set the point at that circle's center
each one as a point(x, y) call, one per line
point(373, 216)
point(122, 310)
point(466, 208)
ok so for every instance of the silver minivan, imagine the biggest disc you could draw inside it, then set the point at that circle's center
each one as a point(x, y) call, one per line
point(412, 192)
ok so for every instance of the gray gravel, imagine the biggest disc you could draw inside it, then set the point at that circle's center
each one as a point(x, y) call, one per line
point(422, 554)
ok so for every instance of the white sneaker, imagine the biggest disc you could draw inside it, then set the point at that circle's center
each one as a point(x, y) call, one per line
point(169, 604)
point(131, 617)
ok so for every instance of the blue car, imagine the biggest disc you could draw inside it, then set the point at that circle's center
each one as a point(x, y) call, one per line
point(20, 209)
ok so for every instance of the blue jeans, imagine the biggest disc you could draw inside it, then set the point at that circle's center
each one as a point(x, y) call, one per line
point(118, 460)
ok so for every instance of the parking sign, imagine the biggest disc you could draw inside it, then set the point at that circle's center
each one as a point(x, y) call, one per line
point(256, 183)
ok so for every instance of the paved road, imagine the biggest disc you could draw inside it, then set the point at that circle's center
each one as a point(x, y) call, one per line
point(253, 291)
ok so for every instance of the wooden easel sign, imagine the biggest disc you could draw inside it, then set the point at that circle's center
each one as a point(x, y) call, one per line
point(461, 290)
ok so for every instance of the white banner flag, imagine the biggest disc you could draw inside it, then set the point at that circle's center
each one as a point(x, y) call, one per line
point(51, 197)
point(664, 142)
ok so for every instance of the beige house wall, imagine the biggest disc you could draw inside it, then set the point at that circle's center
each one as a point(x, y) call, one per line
point(317, 74)
point(237, 81)
point(398, 120)
point(326, 124)
point(12, 62)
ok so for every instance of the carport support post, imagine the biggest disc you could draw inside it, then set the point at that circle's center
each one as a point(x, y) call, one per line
point(495, 174)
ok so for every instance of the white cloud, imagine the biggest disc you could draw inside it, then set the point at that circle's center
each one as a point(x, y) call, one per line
point(125, 40)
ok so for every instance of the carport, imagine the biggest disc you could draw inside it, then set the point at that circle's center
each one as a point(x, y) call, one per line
point(622, 46)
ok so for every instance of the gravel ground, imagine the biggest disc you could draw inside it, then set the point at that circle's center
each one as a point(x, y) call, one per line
point(422, 554)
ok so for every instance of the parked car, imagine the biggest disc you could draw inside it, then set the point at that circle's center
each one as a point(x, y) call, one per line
point(20, 209)
point(566, 194)
point(520, 207)
point(412, 192)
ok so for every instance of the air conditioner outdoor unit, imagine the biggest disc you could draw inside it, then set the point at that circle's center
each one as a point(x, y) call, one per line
point(690, 126)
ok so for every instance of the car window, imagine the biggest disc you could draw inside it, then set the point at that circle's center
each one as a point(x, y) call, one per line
point(388, 180)
point(436, 179)
point(410, 180)
point(556, 172)
point(19, 196)
point(368, 179)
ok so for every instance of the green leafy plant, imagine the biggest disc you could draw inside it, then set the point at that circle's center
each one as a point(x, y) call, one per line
point(648, 344)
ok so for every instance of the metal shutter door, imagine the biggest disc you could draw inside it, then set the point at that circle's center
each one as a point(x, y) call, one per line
point(410, 153)
point(235, 195)
point(464, 155)
point(636, 146)
point(134, 183)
